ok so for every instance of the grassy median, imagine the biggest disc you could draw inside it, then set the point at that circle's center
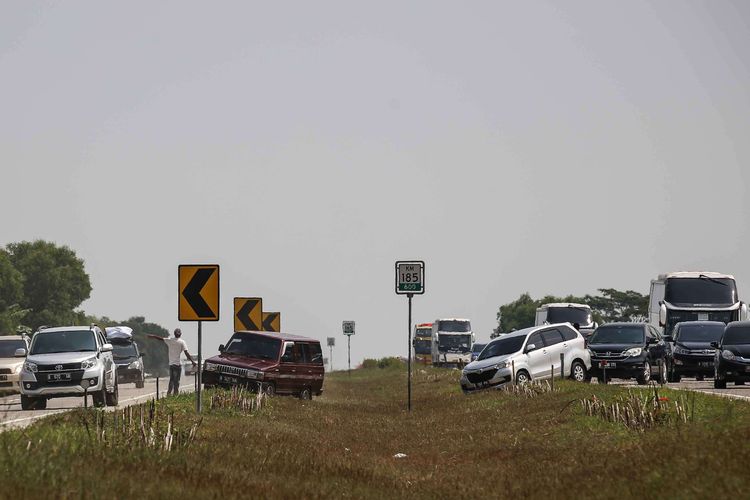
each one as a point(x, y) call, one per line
point(345, 444)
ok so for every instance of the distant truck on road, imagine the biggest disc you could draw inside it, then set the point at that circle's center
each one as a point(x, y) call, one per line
point(423, 343)
point(694, 296)
point(452, 339)
point(567, 312)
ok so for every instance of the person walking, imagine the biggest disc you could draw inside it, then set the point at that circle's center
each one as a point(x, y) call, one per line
point(176, 347)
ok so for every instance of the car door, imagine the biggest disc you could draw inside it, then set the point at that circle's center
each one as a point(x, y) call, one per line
point(287, 369)
point(553, 340)
point(537, 358)
point(315, 367)
point(107, 360)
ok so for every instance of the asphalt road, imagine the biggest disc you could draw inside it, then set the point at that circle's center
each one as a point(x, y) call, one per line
point(11, 414)
point(707, 385)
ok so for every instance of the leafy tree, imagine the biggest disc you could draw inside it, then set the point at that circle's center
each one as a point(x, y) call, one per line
point(517, 314)
point(54, 282)
point(11, 292)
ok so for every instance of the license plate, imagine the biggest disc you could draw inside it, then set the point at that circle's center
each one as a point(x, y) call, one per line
point(3, 377)
point(607, 364)
point(58, 377)
point(229, 380)
point(706, 364)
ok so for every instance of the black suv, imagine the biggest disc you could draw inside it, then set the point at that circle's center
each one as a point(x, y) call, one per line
point(732, 358)
point(628, 350)
point(691, 354)
point(129, 363)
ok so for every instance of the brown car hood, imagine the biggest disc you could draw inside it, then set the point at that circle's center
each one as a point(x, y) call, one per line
point(242, 361)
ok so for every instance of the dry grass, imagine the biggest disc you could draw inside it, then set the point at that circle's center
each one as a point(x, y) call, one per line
point(493, 444)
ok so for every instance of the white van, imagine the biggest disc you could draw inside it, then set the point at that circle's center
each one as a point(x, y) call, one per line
point(529, 354)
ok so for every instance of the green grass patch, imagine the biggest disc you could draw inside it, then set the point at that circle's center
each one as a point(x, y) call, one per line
point(496, 444)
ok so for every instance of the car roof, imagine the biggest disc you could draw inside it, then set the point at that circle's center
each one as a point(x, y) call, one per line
point(529, 330)
point(623, 323)
point(566, 304)
point(699, 323)
point(696, 274)
point(11, 337)
point(738, 324)
point(65, 329)
point(283, 336)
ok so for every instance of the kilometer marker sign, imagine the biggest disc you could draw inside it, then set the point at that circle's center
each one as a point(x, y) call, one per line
point(410, 277)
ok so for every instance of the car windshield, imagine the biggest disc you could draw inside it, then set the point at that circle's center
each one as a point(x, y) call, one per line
point(736, 336)
point(451, 325)
point(8, 347)
point(455, 343)
point(699, 333)
point(700, 291)
point(123, 351)
point(617, 335)
point(477, 348)
point(579, 315)
point(67, 341)
point(253, 346)
point(502, 347)
point(422, 346)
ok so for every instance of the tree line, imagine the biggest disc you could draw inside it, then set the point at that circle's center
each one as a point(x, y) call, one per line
point(608, 306)
point(42, 283)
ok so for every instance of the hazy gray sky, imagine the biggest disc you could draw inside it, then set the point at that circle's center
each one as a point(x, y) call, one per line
point(548, 147)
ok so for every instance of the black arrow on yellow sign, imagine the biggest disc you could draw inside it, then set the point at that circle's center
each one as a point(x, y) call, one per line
point(271, 322)
point(199, 293)
point(248, 313)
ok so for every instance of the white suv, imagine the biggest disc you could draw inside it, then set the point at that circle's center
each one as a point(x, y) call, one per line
point(534, 353)
point(68, 361)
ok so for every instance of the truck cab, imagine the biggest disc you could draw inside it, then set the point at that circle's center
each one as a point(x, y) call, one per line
point(578, 315)
point(694, 296)
point(452, 339)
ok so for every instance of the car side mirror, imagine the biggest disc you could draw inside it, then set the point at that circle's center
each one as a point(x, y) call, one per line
point(222, 348)
point(107, 348)
point(20, 353)
point(530, 347)
point(662, 314)
point(715, 345)
point(653, 340)
point(143, 354)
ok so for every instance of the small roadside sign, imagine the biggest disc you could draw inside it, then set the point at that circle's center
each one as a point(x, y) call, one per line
point(331, 341)
point(248, 313)
point(348, 327)
point(410, 277)
point(272, 322)
point(198, 292)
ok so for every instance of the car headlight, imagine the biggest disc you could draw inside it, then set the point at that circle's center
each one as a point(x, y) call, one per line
point(135, 365)
point(88, 363)
point(726, 354)
point(209, 367)
point(502, 364)
point(18, 368)
point(634, 351)
point(29, 366)
point(681, 350)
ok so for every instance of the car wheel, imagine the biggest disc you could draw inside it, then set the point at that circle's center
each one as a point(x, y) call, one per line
point(645, 376)
point(305, 394)
point(673, 376)
point(578, 372)
point(720, 384)
point(663, 372)
point(113, 398)
point(270, 389)
point(739, 382)
point(100, 398)
point(140, 383)
point(522, 377)
point(699, 378)
point(29, 403)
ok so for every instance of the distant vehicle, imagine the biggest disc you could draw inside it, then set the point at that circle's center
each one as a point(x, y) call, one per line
point(694, 296)
point(423, 343)
point(452, 339)
point(690, 352)
point(628, 350)
point(732, 356)
point(68, 361)
point(534, 353)
point(475, 350)
point(189, 369)
point(126, 355)
point(562, 312)
point(277, 363)
point(10, 364)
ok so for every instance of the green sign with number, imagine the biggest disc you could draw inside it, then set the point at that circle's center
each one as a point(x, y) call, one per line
point(410, 277)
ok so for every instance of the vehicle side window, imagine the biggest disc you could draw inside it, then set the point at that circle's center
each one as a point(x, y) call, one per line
point(288, 356)
point(100, 339)
point(650, 334)
point(316, 353)
point(304, 353)
point(568, 333)
point(552, 337)
point(536, 339)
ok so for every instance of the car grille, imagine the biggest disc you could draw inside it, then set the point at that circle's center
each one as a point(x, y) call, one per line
point(479, 377)
point(234, 370)
point(5, 371)
point(610, 356)
point(59, 367)
point(6, 384)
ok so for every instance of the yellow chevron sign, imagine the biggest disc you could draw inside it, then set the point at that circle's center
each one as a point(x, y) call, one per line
point(272, 322)
point(248, 313)
point(198, 293)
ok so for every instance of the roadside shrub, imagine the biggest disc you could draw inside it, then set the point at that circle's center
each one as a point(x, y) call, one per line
point(387, 362)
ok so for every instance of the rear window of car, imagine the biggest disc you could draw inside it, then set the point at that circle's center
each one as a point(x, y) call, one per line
point(316, 354)
point(736, 335)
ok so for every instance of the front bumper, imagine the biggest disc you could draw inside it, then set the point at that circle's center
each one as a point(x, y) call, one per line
point(618, 367)
point(9, 382)
point(127, 375)
point(475, 380)
point(733, 370)
point(80, 382)
point(214, 378)
point(692, 364)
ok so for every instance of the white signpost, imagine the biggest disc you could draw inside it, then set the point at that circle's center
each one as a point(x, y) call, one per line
point(409, 282)
point(348, 327)
point(331, 343)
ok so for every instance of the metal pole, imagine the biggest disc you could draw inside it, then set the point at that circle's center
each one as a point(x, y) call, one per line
point(157, 387)
point(198, 373)
point(562, 365)
point(409, 357)
point(349, 347)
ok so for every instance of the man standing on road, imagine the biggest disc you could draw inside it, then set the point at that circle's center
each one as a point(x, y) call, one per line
point(176, 346)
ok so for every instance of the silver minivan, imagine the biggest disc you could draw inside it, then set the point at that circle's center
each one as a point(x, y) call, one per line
point(529, 354)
